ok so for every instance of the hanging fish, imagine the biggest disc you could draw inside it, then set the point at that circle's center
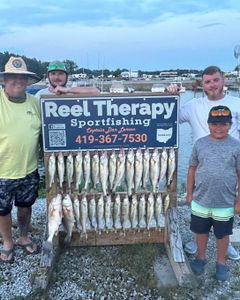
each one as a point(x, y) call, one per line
point(120, 169)
point(146, 166)
point(164, 164)
point(129, 171)
point(69, 167)
point(124, 212)
point(51, 168)
point(68, 217)
point(84, 214)
point(133, 210)
point(100, 212)
point(76, 210)
point(112, 169)
point(154, 169)
point(103, 171)
point(92, 212)
point(150, 209)
point(60, 169)
point(138, 169)
point(54, 216)
point(116, 211)
point(171, 165)
point(95, 170)
point(141, 211)
point(86, 169)
point(166, 203)
point(107, 211)
point(158, 208)
point(78, 170)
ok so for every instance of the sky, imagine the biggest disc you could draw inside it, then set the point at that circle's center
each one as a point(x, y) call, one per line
point(132, 34)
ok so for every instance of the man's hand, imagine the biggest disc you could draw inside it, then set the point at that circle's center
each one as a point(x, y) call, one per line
point(173, 88)
point(59, 90)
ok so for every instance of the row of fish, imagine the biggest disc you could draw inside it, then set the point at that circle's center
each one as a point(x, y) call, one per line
point(105, 213)
point(110, 170)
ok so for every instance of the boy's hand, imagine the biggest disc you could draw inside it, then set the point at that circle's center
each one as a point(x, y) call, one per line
point(189, 199)
point(237, 207)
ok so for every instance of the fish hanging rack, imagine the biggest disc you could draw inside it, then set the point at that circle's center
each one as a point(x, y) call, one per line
point(127, 210)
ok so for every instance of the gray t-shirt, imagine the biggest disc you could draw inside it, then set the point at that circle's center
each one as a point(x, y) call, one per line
point(217, 162)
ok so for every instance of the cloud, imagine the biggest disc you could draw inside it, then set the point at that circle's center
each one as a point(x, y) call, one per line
point(212, 24)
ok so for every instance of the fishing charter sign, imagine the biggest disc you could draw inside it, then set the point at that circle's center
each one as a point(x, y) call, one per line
point(106, 122)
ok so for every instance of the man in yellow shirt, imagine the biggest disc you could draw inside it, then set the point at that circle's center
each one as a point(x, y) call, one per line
point(20, 128)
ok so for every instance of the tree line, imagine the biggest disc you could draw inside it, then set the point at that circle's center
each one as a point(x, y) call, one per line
point(40, 68)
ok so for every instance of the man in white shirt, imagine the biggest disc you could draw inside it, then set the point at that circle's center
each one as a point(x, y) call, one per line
point(196, 111)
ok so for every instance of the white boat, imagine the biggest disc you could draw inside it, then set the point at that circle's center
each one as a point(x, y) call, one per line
point(158, 88)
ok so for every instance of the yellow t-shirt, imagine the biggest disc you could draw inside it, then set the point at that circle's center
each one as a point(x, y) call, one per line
point(20, 127)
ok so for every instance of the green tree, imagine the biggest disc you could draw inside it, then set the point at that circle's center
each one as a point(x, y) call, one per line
point(71, 66)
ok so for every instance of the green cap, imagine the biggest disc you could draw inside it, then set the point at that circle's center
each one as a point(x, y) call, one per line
point(57, 66)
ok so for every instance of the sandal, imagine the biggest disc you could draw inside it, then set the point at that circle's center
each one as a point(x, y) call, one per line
point(7, 253)
point(221, 272)
point(29, 245)
point(197, 266)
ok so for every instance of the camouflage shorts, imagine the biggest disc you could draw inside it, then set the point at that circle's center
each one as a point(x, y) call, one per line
point(22, 192)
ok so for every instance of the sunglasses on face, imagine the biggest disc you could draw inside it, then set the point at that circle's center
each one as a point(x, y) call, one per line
point(220, 112)
point(56, 67)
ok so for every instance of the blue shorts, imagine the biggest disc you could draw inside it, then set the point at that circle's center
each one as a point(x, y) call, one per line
point(22, 192)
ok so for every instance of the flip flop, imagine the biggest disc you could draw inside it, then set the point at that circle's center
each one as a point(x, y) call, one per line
point(29, 245)
point(7, 253)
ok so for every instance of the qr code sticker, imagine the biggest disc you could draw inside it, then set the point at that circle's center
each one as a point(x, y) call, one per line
point(57, 138)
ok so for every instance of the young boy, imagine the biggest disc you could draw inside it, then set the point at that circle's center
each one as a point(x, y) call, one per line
point(213, 176)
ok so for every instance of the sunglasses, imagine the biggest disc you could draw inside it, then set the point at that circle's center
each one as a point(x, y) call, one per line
point(220, 112)
point(57, 67)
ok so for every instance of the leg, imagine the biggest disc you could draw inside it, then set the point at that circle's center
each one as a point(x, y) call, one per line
point(222, 246)
point(202, 240)
point(6, 232)
point(24, 218)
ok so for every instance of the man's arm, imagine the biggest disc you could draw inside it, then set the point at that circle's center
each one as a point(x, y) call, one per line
point(74, 90)
point(190, 183)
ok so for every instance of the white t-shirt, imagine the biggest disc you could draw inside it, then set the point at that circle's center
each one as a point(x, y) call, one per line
point(196, 111)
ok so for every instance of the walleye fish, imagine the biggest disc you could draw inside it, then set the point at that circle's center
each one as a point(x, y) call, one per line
point(154, 169)
point(69, 167)
point(86, 169)
point(120, 169)
point(150, 208)
point(171, 165)
point(78, 170)
point(138, 169)
point(129, 171)
point(51, 168)
point(100, 212)
point(92, 212)
point(141, 211)
point(103, 171)
point(95, 170)
point(158, 208)
point(68, 217)
point(54, 216)
point(84, 214)
point(133, 210)
point(107, 211)
point(112, 169)
point(166, 203)
point(76, 210)
point(116, 211)
point(164, 164)
point(60, 168)
point(124, 212)
point(146, 159)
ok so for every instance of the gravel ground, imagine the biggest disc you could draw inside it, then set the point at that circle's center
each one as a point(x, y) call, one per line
point(116, 272)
